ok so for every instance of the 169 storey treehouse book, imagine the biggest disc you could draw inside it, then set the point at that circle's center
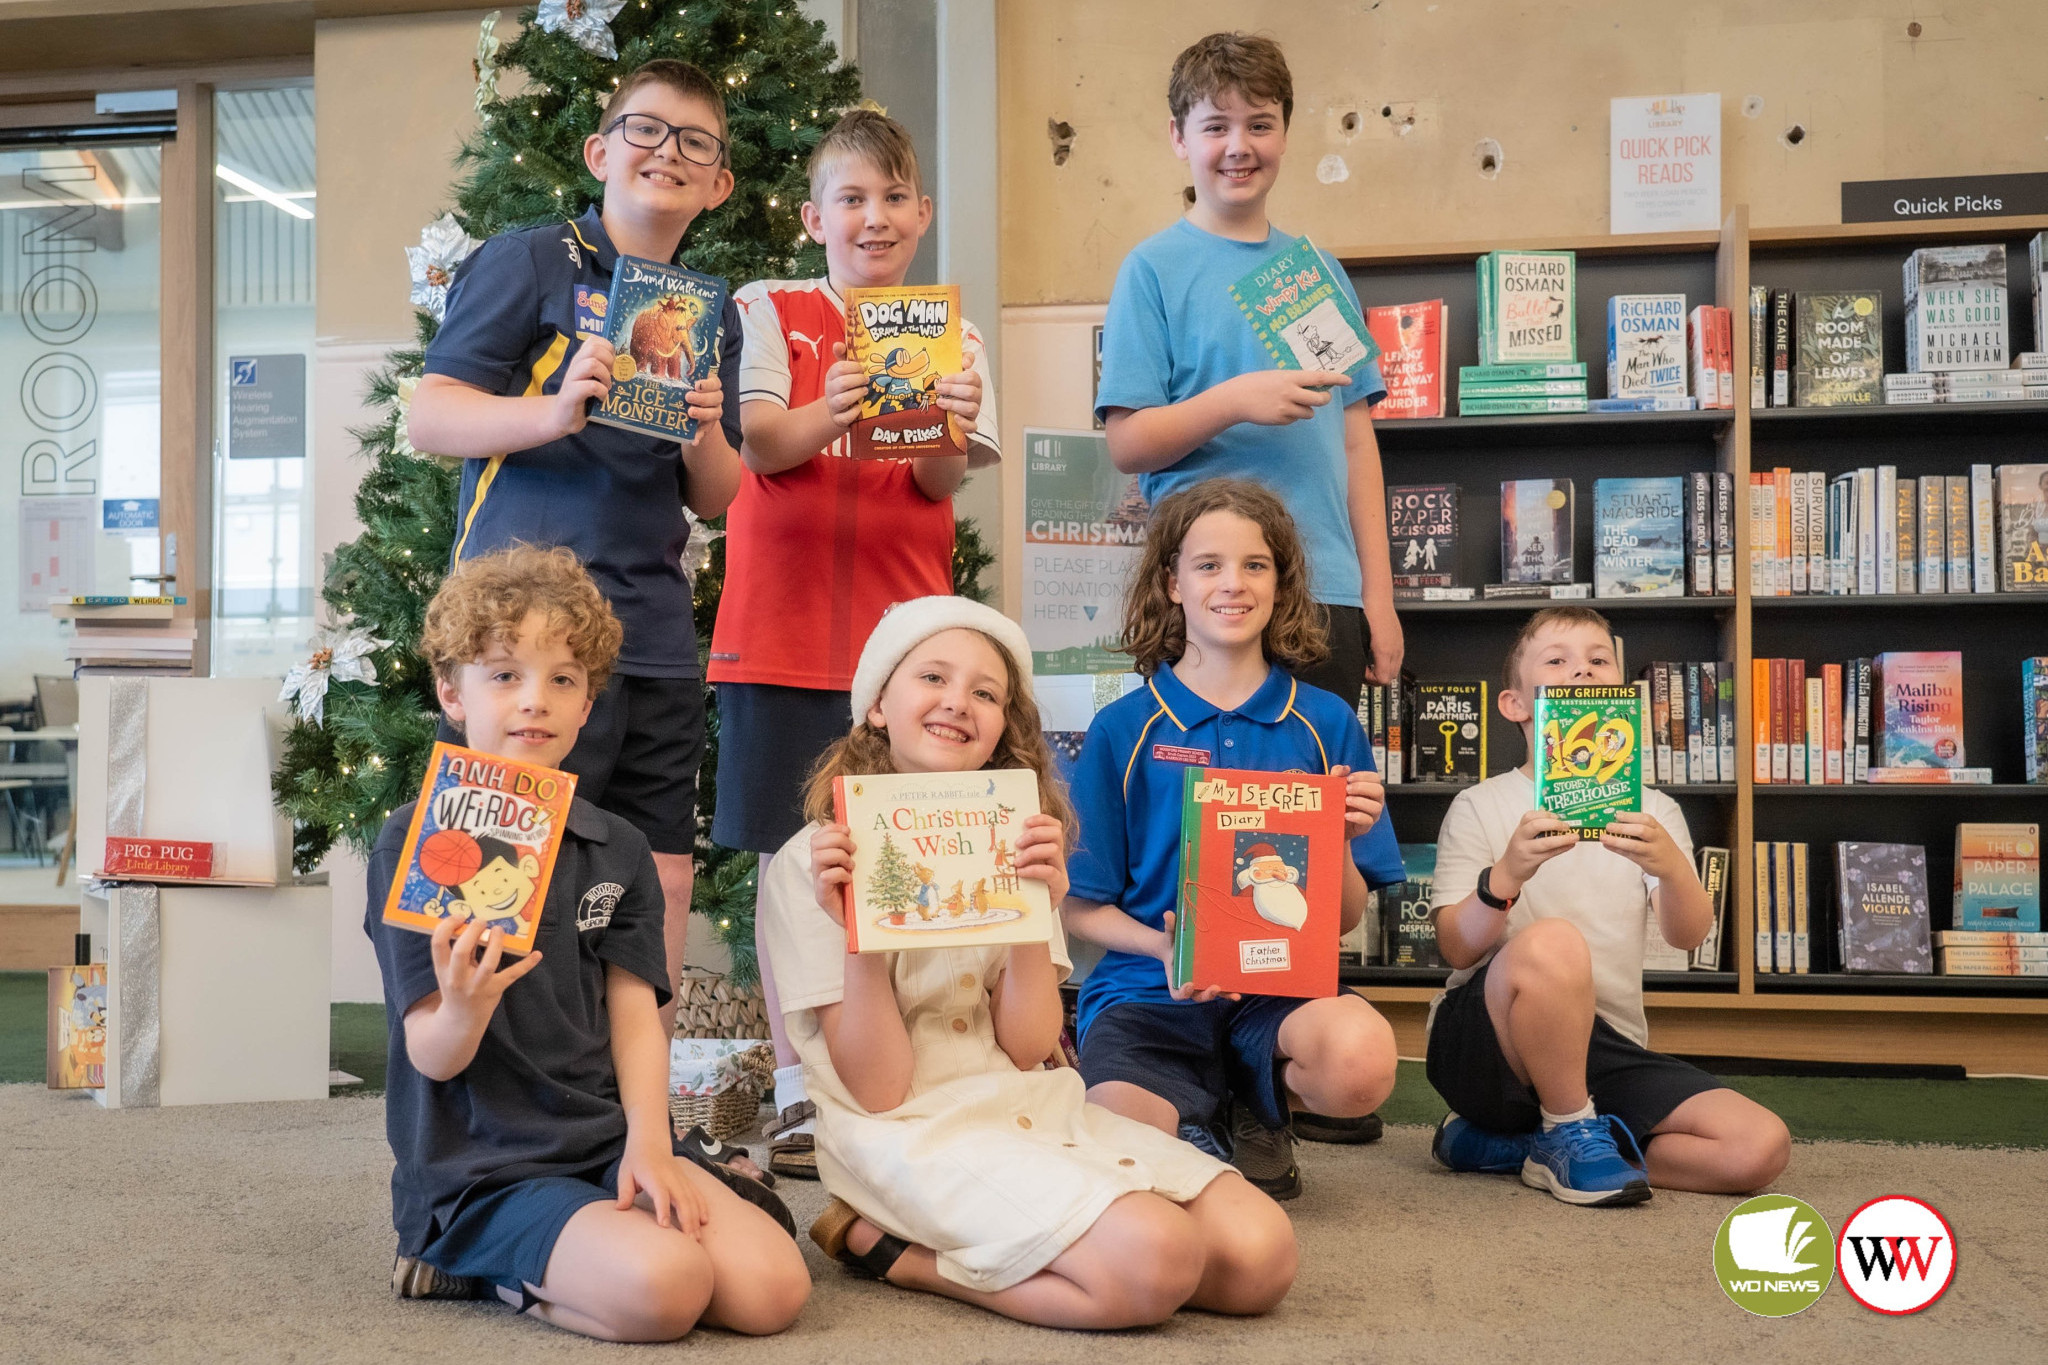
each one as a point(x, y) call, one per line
point(1262, 889)
point(906, 339)
point(1589, 760)
point(935, 860)
point(482, 845)
point(663, 324)
point(1301, 315)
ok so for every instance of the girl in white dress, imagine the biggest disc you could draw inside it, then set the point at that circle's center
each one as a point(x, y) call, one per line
point(958, 1163)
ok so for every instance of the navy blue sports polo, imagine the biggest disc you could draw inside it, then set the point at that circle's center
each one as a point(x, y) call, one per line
point(540, 1096)
point(614, 497)
point(1127, 793)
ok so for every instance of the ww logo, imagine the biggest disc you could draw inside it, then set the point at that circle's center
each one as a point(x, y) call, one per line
point(1897, 1255)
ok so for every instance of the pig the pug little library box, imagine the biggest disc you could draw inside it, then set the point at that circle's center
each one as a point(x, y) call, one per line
point(1262, 888)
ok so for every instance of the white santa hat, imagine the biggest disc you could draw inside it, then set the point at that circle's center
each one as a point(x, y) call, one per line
point(907, 625)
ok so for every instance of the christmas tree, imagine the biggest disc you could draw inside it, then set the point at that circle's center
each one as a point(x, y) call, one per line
point(365, 700)
point(892, 885)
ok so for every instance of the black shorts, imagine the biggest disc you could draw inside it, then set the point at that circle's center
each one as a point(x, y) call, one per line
point(1195, 1056)
point(768, 739)
point(1626, 1079)
point(1343, 670)
point(638, 754)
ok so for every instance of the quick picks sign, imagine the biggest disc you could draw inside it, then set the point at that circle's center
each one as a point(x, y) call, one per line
point(1664, 163)
point(1774, 1256)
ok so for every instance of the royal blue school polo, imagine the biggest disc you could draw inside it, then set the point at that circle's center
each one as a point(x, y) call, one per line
point(614, 497)
point(540, 1097)
point(1127, 793)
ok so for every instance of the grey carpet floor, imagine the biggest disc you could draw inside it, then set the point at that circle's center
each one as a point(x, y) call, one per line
point(260, 1233)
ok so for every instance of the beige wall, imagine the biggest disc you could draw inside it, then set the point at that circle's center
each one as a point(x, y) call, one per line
point(1966, 95)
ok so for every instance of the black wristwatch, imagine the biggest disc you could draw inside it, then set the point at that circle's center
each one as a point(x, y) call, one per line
point(1485, 891)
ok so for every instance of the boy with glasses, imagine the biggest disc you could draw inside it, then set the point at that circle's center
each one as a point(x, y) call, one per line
point(508, 385)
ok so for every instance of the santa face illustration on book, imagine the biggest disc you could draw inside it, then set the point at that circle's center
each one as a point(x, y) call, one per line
point(1273, 880)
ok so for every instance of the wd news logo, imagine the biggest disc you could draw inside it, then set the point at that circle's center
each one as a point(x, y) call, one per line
point(1897, 1255)
point(1774, 1256)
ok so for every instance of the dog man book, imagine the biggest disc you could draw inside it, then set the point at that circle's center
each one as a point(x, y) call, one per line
point(905, 339)
point(663, 327)
point(1261, 882)
point(1302, 316)
point(935, 861)
point(482, 845)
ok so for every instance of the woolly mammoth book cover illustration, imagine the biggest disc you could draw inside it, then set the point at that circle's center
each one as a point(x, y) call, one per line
point(906, 339)
point(482, 845)
point(663, 324)
point(935, 860)
point(1261, 867)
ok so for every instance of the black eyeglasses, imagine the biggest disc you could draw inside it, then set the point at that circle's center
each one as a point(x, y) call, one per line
point(647, 132)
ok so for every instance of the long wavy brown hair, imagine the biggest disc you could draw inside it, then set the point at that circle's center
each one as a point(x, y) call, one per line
point(865, 751)
point(1155, 626)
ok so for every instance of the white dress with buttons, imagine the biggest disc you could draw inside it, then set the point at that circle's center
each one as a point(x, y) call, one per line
point(996, 1170)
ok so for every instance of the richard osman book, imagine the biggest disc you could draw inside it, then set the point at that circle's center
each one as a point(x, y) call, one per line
point(1261, 896)
point(663, 324)
point(1301, 314)
point(482, 845)
point(1589, 761)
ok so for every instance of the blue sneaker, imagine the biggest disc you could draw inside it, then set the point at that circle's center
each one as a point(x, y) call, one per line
point(1203, 1138)
point(1585, 1162)
point(1465, 1146)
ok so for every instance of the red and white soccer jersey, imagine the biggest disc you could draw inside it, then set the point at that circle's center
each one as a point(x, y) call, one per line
point(814, 555)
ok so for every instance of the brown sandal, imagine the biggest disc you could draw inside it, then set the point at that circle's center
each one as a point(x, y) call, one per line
point(791, 1153)
point(829, 1232)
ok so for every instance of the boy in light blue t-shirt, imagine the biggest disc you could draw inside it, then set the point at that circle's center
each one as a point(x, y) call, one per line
point(1187, 393)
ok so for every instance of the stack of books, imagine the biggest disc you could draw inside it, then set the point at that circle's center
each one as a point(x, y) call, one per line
point(1507, 390)
point(1784, 936)
point(1961, 386)
point(1960, 952)
point(1816, 350)
point(1528, 337)
point(1380, 711)
point(126, 636)
point(1894, 718)
point(1692, 721)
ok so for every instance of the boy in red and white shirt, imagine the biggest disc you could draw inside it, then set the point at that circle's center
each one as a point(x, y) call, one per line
point(818, 545)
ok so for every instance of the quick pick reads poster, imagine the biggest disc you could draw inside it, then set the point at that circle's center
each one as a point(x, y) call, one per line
point(1664, 163)
point(1083, 525)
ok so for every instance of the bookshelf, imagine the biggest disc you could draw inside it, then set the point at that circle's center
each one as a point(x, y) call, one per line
point(1984, 1024)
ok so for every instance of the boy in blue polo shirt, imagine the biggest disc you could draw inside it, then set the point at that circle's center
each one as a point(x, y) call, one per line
point(528, 1118)
point(508, 383)
point(1216, 615)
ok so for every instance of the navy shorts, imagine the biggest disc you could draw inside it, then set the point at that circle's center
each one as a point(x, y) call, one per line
point(1195, 1056)
point(508, 1235)
point(638, 755)
point(1626, 1079)
point(1342, 671)
point(769, 739)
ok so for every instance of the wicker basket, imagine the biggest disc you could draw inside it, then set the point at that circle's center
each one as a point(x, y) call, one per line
point(730, 1112)
point(710, 1006)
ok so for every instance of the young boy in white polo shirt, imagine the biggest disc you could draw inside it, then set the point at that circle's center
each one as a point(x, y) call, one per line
point(1539, 1042)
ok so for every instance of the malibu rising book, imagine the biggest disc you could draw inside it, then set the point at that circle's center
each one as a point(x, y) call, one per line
point(1262, 891)
point(1302, 315)
point(935, 861)
point(482, 845)
point(906, 339)
point(663, 324)
point(1589, 761)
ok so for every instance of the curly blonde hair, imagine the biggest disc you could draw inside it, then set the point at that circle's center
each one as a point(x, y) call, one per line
point(483, 600)
point(865, 751)
point(1155, 626)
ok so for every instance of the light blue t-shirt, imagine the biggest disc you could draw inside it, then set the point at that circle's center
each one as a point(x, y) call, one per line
point(1173, 331)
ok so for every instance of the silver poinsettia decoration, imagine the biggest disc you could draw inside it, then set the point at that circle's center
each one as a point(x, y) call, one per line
point(341, 653)
point(588, 22)
point(697, 549)
point(486, 64)
point(443, 245)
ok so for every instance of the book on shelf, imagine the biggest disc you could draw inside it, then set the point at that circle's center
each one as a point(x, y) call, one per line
point(1639, 537)
point(1931, 517)
point(1839, 349)
point(1700, 348)
point(482, 845)
point(1301, 314)
point(1379, 716)
point(1656, 402)
point(1997, 879)
point(1716, 867)
point(1956, 308)
point(2037, 276)
point(1447, 732)
point(1782, 907)
point(1881, 898)
point(1452, 594)
point(1528, 307)
point(1724, 355)
point(1759, 350)
point(2023, 527)
point(663, 323)
point(1536, 517)
point(2034, 717)
point(1920, 699)
point(1404, 912)
point(1724, 534)
point(1991, 938)
point(1699, 533)
point(1928, 777)
point(934, 861)
point(1481, 406)
point(110, 609)
point(1646, 345)
point(1963, 962)
point(1520, 372)
point(1414, 353)
point(75, 1056)
point(905, 339)
point(1589, 763)
point(1262, 872)
point(1536, 592)
point(1984, 572)
point(1501, 389)
point(1781, 349)
point(1795, 720)
point(1422, 530)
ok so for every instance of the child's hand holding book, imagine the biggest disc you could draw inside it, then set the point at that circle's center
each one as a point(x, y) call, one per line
point(1202, 995)
point(1539, 836)
point(584, 384)
point(706, 404)
point(1365, 797)
point(845, 382)
point(471, 984)
point(1642, 839)
point(1277, 398)
point(832, 869)
point(1042, 854)
point(960, 396)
